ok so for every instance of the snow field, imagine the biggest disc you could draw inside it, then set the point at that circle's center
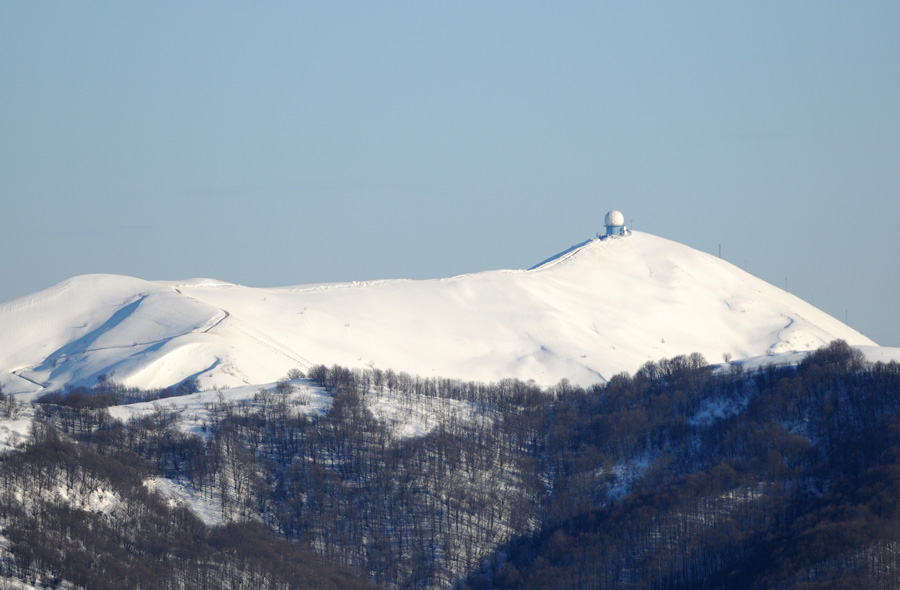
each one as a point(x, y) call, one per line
point(601, 308)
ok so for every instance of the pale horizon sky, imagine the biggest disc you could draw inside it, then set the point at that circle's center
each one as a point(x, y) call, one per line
point(290, 143)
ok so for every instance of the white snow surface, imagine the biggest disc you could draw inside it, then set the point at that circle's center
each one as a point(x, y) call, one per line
point(193, 412)
point(600, 308)
point(205, 507)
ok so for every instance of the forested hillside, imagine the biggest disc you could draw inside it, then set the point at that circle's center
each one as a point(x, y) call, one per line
point(681, 475)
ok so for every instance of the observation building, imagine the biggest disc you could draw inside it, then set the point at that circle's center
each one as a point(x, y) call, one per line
point(615, 225)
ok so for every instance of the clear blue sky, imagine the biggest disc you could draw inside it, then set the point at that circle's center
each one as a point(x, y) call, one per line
point(275, 144)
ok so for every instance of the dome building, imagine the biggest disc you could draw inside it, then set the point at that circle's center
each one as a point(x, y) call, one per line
point(615, 224)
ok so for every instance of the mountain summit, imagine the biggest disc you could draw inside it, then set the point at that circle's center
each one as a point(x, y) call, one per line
point(600, 308)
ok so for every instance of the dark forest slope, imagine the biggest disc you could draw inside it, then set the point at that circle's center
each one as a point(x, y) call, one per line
point(675, 477)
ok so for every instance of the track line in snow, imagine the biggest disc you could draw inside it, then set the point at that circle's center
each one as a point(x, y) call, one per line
point(562, 256)
point(224, 317)
point(30, 380)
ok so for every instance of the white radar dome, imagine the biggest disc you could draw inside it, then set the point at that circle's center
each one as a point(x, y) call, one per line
point(614, 219)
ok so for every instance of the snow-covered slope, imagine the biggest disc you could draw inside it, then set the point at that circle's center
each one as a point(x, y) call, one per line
point(600, 308)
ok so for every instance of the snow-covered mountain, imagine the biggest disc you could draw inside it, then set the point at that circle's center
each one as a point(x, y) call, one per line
point(600, 308)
